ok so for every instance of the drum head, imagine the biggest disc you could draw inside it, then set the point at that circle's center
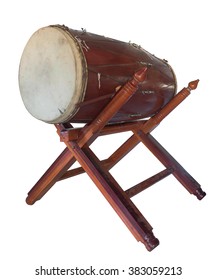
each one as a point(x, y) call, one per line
point(52, 75)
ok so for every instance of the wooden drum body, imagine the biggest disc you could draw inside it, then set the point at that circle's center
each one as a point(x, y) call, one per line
point(67, 75)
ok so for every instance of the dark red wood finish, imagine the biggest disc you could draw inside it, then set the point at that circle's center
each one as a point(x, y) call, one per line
point(110, 64)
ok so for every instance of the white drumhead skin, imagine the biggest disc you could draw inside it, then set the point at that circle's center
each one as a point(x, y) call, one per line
point(52, 75)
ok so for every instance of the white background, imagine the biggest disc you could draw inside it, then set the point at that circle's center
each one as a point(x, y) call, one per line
point(73, 225)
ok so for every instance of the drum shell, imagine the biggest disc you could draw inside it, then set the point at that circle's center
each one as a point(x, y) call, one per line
point(110, 64)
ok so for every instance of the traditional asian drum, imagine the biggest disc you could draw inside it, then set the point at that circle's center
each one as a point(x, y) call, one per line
point(67, 75)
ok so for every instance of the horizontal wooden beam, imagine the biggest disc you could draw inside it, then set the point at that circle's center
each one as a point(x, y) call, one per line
point(72, 134)
point(148, 182)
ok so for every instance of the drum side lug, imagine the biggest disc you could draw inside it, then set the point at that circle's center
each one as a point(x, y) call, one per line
point(148, 92)
point(148, 64)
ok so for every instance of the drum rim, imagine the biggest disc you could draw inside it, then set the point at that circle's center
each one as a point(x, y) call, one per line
point(84, 77)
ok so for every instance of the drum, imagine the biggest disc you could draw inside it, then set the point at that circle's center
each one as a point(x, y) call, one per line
point(67, 75)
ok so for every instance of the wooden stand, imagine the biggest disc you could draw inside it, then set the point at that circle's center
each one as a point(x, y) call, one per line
point(78, 141)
